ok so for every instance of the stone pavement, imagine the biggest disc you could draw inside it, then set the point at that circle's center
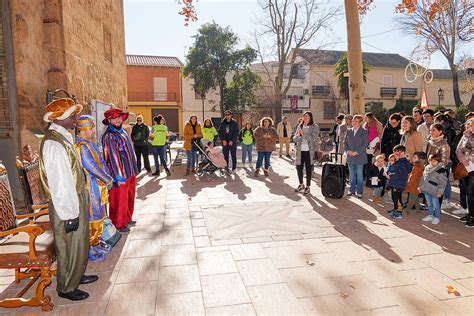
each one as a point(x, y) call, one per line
point(246, 245)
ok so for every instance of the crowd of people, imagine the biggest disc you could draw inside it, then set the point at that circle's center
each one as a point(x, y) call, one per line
point(415, 157)
point(411, 160)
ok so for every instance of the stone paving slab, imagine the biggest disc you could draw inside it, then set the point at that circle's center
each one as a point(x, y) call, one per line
point(242, 245)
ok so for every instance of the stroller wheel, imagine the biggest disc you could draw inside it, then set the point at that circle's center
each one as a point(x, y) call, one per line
point(223, 173)
point(199, 172)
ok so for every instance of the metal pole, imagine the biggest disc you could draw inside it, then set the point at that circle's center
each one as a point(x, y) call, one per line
point(203, 110)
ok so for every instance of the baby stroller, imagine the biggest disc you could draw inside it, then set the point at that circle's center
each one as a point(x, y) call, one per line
point(212, 161)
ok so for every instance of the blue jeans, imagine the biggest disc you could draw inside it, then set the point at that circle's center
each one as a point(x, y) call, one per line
point(356, 178)
point(191, 155)
point(378, 191)
point(434, 208)
point(260, 156)
point(247, 151)
point(159, 151)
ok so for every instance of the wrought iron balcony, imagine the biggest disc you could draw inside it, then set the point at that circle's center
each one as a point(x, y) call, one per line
point(409, 92)
point(388, 92)
point(318, 91)
point(152, 96)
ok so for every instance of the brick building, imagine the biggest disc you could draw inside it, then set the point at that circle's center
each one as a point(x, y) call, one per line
point(155, 87)
point(78, 46)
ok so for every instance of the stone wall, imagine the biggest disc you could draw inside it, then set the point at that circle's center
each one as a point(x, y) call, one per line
point(75, 45)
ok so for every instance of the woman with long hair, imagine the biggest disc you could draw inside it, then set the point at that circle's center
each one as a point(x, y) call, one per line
point(391, 135)
point(265, 137)
point(465, 154)
point(192, 134)
point(209, 132)
point(305, 138)
point(411, 138)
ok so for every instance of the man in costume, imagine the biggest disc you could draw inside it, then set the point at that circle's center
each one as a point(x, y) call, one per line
point(99, 183)
point(120, 159)
point(64, 183)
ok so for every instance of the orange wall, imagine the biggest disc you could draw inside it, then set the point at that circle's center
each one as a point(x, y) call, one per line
point(140, 79)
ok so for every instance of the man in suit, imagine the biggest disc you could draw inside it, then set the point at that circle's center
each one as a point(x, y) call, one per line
point(355, 144)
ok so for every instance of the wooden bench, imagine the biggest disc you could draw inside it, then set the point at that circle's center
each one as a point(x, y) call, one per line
point(27, 244)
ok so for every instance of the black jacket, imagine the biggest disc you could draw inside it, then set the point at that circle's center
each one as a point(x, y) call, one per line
point(233, 131)
point(140, 135)
point(373, 171)
point(390, 138)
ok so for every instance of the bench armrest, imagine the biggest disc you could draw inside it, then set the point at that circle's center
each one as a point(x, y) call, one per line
point(33, 231)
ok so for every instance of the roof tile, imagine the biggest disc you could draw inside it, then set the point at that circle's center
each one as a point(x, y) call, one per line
point(154, 61)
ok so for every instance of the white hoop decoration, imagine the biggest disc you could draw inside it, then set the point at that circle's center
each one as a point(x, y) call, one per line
point(428, 76)
point(410, 76)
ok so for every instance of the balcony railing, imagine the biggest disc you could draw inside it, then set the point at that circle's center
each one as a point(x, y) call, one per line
point(320, 90)
point(152, 96)
point(409, 92)
point(388, 92)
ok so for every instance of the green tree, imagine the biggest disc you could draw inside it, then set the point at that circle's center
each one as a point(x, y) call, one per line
point(240, 93)
point(341, 69)
point(213, 55)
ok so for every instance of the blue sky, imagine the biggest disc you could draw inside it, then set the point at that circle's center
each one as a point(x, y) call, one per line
point(154, 27)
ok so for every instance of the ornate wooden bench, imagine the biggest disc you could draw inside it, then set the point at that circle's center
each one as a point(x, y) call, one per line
point(27, 245)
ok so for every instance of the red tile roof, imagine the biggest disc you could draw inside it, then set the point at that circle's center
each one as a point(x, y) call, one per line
point(154, 61)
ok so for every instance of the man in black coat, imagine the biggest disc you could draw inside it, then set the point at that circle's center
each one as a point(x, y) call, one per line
point(140, 134)
point(228, 133)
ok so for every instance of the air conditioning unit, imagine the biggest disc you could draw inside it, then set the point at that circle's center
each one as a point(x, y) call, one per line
point(305, 91)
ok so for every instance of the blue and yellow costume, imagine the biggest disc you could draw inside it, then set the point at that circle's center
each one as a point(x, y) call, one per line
point(98, 178)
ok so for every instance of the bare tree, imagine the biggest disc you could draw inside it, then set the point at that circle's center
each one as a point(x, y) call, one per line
point(446, 31)
point(285, 27)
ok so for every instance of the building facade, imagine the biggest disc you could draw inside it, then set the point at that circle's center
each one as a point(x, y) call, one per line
point(155, 87)
point(315, 87)
point(78, 46)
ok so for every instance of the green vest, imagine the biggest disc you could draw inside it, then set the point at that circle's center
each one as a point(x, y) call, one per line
point(247, 138)
point(78, 173)
point(209, 133)
point(160, 132)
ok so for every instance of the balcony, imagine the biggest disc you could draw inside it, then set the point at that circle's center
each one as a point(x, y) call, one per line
point(388, 92)
point(409, 92)
point(320, 91)
point(152, 96)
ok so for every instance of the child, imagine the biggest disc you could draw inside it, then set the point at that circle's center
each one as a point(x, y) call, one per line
point(419, 163)
point(375, 173)
point(391, 161)
point(397, 176)
point(432, 185)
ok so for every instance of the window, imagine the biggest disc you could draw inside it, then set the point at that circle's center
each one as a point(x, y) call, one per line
point(320, 78)
point(107, 44)
point(160, 89)
point(387, 81)
point(329, 110)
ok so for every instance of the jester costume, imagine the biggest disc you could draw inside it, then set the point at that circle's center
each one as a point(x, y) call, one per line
point(99, 181)
point(119, 157)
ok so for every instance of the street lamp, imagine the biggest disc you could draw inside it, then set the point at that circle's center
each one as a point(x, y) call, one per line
point(440, 95)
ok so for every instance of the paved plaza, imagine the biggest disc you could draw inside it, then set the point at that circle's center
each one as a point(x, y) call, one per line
point(243, 246)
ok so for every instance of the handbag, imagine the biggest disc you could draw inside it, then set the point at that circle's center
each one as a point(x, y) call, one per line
point(460, 172)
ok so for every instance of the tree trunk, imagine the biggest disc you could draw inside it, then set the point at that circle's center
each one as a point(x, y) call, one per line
point(221, 101)
point(457, 97)
point(278, 108)
point(354, 58)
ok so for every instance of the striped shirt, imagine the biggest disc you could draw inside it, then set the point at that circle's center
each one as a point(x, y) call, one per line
point(118, 154)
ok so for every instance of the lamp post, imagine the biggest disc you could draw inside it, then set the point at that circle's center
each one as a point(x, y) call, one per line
point(440, 94)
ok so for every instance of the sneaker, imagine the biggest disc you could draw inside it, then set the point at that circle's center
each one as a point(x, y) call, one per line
point(359, 196)
point(233, 171)
point(460, 211)
point(435, 221)
point(470, 223)
point(156, 173)
point(350, 194)
point(300, 188)
point(446, 205)
point(390, 212)
point(464, 218)
point(280, 156)
point(428, 218)
point(168, 173)
point(306, 191)
point(288, 156)
point(396, 215)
